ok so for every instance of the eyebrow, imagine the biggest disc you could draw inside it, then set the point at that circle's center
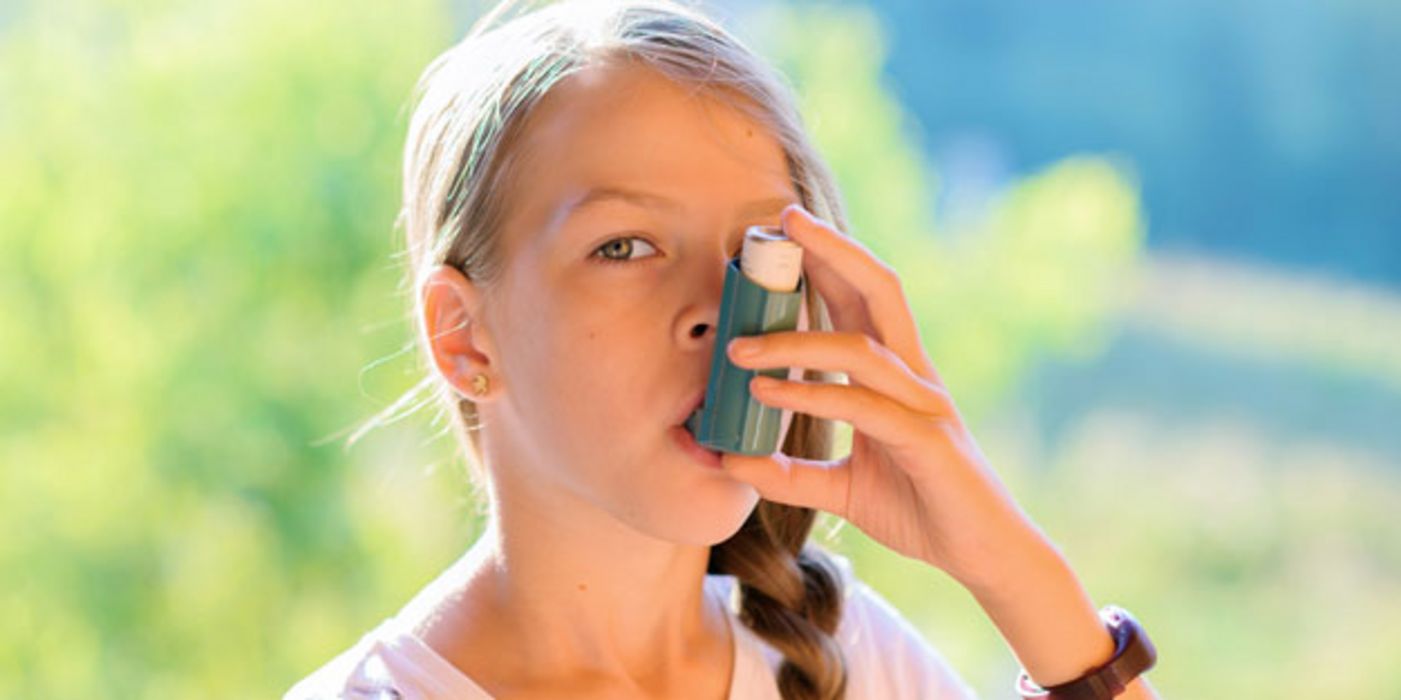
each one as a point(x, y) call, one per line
point(650, 200)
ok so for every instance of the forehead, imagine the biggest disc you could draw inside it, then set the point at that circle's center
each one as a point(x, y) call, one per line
point(630, 127)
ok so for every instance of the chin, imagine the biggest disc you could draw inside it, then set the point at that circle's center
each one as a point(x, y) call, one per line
point(715, 529)
point(701, 515)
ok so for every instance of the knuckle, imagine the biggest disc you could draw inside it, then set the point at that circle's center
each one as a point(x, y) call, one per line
point(860, 343)
point(869, 401)
point(836, 489)
point(888, 274)
point(871, 346)
point(937, 399)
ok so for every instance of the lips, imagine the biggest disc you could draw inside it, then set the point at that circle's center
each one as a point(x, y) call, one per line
point(693, 403)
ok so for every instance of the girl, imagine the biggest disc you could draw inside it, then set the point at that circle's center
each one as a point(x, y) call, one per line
point(575, 180)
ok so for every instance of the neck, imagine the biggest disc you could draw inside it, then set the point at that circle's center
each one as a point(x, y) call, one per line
point(583, 598)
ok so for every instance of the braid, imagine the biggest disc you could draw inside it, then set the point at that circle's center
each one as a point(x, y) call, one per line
point(790, 589)
point(791, 601)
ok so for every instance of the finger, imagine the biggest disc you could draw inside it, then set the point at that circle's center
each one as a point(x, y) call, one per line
point(867, 411)
point(844, 301)
point(794, 481)
point(865, 291)
point(862, 358)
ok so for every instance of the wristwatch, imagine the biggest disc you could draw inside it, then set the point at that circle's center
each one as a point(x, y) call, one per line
point(1133, 654)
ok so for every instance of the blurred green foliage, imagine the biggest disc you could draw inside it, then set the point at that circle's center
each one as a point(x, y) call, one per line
point(1043, 272)
point(200, 287)
point(198, 198)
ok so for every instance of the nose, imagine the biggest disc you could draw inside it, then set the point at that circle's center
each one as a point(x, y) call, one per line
point(696, 325)
point(696, 328)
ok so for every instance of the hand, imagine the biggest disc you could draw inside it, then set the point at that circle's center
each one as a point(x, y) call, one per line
point(915, 480)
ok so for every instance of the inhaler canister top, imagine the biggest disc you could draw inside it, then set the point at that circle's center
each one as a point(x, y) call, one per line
point(771, 259)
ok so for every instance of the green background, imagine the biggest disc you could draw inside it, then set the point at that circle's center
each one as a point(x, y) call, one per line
point(199, 294)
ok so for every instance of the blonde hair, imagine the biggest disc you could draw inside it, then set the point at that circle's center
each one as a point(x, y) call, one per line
point(473, 101)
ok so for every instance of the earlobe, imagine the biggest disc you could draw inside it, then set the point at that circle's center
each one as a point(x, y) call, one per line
point(455, 338)
point(477, 380)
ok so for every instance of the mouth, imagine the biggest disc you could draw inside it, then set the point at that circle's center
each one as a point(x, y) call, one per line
point(690, 407)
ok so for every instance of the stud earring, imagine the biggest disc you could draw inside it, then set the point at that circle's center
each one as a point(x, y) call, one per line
point(479, 384)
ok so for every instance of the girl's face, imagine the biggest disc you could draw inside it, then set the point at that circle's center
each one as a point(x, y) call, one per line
point(631, 198)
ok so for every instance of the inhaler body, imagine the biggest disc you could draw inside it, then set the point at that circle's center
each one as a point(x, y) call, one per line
point(762, 294)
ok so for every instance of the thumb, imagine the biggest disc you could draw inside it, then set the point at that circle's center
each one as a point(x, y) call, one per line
point(794, 481)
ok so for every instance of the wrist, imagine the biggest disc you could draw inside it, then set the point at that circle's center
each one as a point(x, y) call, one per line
point(1022, 560)
point(1044, 614)
point(1134, 654)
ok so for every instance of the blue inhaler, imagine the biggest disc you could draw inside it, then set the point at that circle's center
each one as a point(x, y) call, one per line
point(762, 294)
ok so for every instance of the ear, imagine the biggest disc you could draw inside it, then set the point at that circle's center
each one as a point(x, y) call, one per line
point(457, 340)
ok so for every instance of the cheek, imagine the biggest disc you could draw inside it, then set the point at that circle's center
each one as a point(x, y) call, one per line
point(580, 360)
point(578, 375)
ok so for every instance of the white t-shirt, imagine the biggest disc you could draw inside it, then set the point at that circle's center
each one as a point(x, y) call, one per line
point(887, 658)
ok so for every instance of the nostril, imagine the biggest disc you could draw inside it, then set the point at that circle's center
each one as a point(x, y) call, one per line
point(698, 330)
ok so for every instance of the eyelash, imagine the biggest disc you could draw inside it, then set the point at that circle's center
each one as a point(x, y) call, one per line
point(617, 261)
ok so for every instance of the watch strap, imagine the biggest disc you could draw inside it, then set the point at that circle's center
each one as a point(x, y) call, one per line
point(1134, 653)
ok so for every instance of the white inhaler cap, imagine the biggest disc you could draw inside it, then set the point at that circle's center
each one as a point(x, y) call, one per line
point(771, 259)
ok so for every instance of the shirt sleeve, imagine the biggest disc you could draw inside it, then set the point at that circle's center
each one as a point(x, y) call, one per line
point(388, 663)
point(887, 657)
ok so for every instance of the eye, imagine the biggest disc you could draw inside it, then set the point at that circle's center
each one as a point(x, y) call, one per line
point(618, 249)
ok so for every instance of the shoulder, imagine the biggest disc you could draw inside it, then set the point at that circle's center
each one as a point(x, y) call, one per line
point(887, 657)
point(387, 663)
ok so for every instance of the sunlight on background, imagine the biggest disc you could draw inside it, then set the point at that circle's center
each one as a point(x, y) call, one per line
point(198, 289)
